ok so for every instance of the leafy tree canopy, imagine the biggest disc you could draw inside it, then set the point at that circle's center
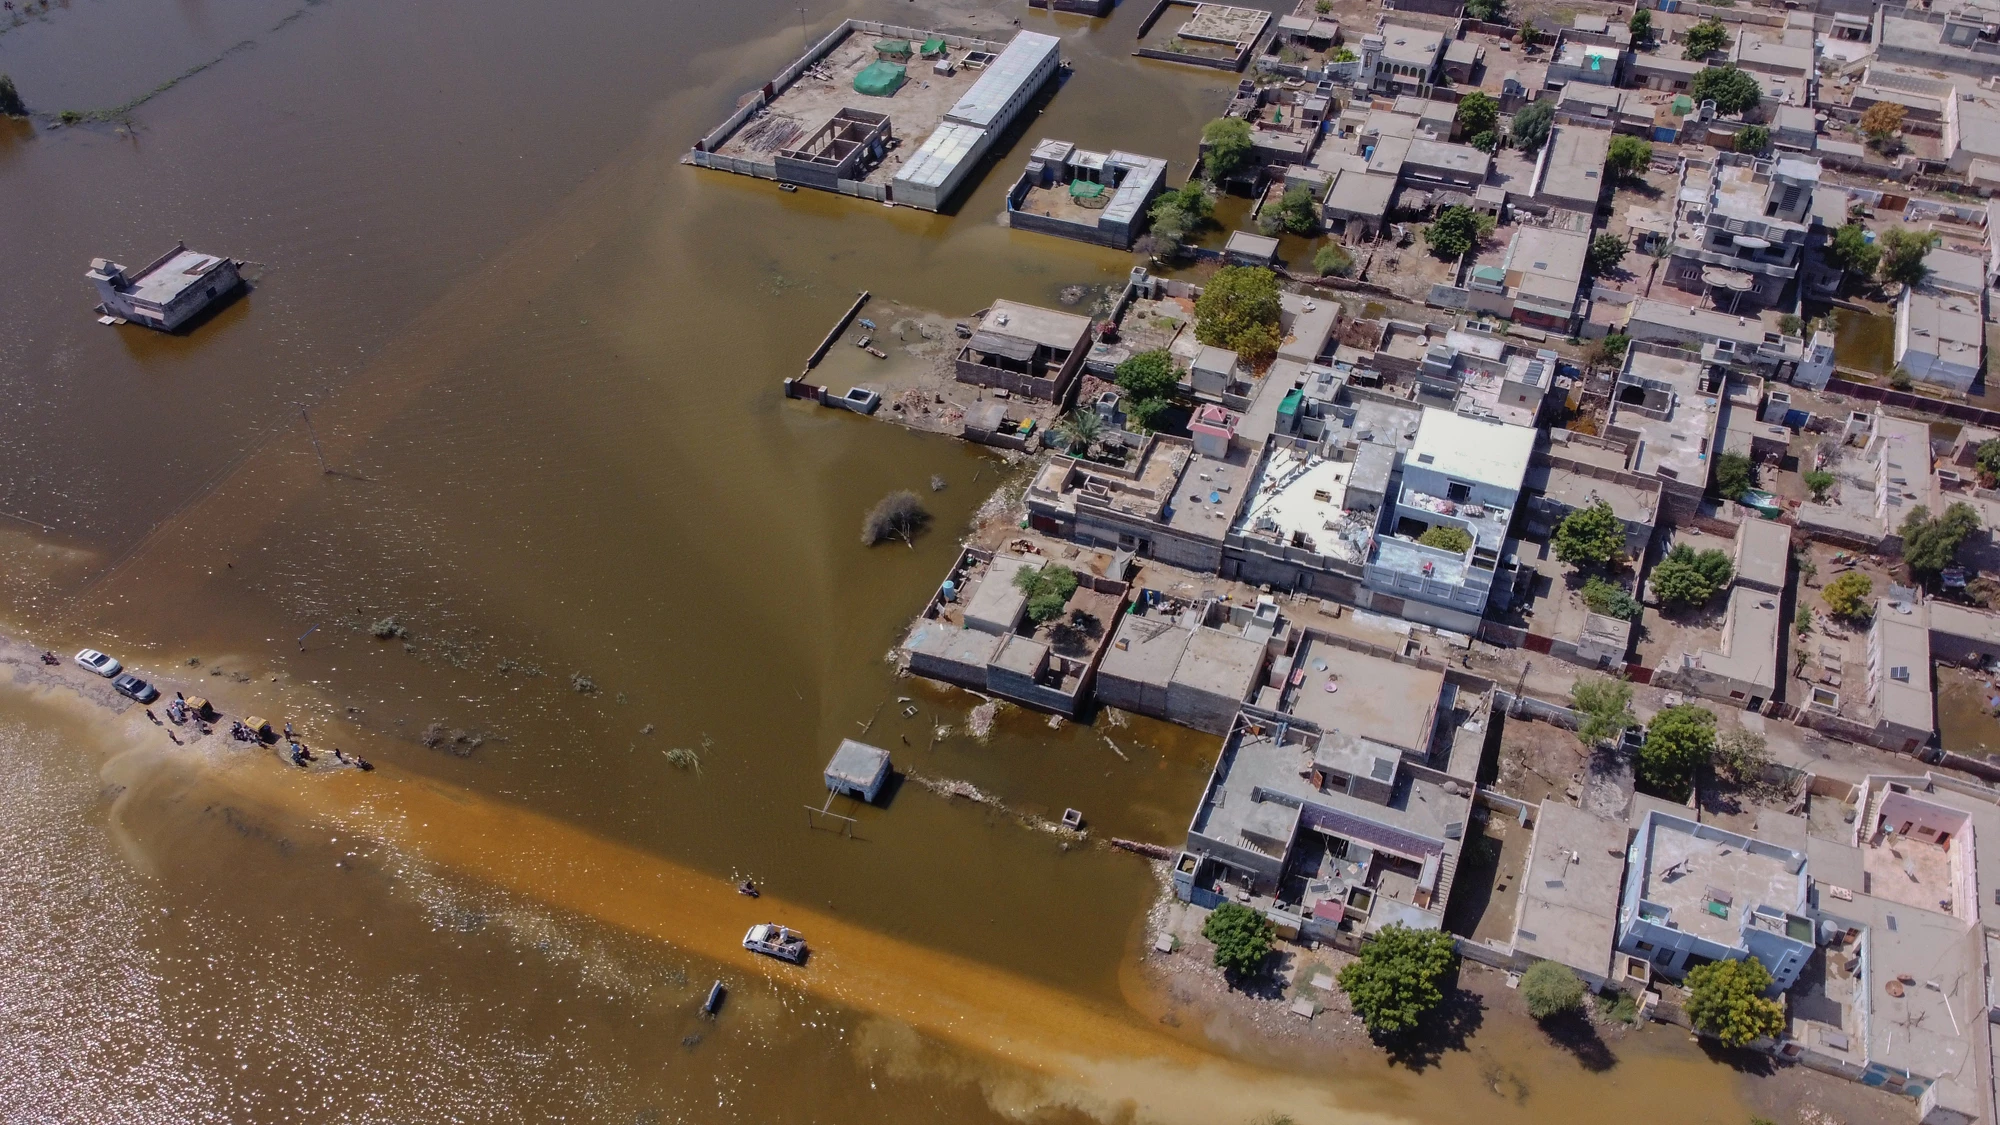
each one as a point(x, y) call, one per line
point(1609, 598)
point(1628, 156)
point(1238, 309)
point(1333, 258)
point(1590, 536)
point(1679, 741)
point(1297, 209)
point(1903, 250)
point(1687, 578)
point(1850, 249)
point(1486, 11)
point(1988, 456)
point(1726, 999)
point(1606, 251)
point(1882, 120)
point(1819, 482)
point(1149, 374)
point(1227, 145)
point(1753, 139)
point(1705, 38)
point(1551, 988)
point(1531, 125)
point(1395, 981)
point(1930, 543)
point(1603, 708)
point(1446, 538)
point(1732, 90)
point(1735, 474)
point(1048, 590)
point(1456, 230)
point(1242, 938)
point(1477, 113)
point(1640, 25)
point(1848, 595)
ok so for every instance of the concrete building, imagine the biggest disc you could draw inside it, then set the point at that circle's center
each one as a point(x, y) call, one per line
point(1696, 893)
point(1665, 410)
point(1025, 350)
point(933, 174)
point(1749, 341)
point(1899, 680)
point(1568, 911)
point(1539, 280)
point(1952, 38)
point(1432, 164)
point(1357, 206)
point(858, 770)
point(175, 288)
point(1664, 70)
point(1569, 172)
point(1401, 59)
point(1579, 60)
point(1171, 503)
point(1882, 471)
point(1940, 338)
point(1089, 196)
point(1195, 665)
point(1740, 228)
point(1245, 249)
point(1763, 555)
point(1461, 473)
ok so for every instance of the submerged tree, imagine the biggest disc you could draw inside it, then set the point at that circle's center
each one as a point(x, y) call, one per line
point(899, 515)
point(10, 99)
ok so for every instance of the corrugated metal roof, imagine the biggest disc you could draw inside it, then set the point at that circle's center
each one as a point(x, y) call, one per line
point(1003, 78)
point(940, 155)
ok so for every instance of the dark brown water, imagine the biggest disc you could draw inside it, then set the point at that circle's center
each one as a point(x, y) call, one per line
point(542, 359)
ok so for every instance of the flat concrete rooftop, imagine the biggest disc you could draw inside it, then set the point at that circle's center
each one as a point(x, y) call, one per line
point(1689, 870)
point(1377, 699)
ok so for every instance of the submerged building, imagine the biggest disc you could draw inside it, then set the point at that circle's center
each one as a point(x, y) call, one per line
point(166, 294)
point(1090, 196)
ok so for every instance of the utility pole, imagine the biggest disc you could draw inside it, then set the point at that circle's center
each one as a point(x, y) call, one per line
point(805, 37)
point(317, 452)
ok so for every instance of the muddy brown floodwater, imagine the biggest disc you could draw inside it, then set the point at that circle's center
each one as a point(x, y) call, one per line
point(541, 358)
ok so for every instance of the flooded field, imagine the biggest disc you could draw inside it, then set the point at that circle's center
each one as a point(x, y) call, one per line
point(563, 525)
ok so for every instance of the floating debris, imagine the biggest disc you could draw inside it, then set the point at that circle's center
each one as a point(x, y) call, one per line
point(681, 757)
point(980, 721)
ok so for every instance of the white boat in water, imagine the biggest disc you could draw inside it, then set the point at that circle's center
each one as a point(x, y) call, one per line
point(776, 941)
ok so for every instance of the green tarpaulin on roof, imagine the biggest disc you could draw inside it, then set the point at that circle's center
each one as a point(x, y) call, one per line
point(933, 47)
point(880, 79)
point(1084, 189)
point(898, 47)
point(1683, 104)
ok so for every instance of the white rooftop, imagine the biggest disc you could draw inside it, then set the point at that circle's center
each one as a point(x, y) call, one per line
point(981, 106)
point(1472, 449)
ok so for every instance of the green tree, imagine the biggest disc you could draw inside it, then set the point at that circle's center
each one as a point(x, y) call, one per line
point(1485, 142)
point(1177, 214)
point(1850, 249)
point(10, 99)
point(1615, 344)
point(1150, 374)
point(1931, 543)
point(1591, 536)
point(1987, 457)
point(1903, 250)
point(1078, 429)
point(1735, 474)
point(1551, 989)
point(1486, 11)
point(1242, 938)
point(1753, 139)
point(1679, 742)
point(1531, 125)
point(1732, 90)
point(1848, 595)
point(1048, 589)
point(1705, 38)
point(1688, 579)
point(1819, 482)
point(1610, 599)
point(1238, 309)
point(1726, 999)
point(1603, 708)
point(1333, 259)
point(1882, 121)
point(1446, 538)
point(1628, 156)
point(1226, 147)
point(1395, 981)
point(1297, 210)
point(1144, 413)
point(1528, 33)
point(1606, 251)
point(1455, 231)
point(1641, 26)
point(1477, 113)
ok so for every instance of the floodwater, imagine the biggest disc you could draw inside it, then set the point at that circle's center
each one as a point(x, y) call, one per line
point(541, 361)
point(1966, 708)
point(1864, 341)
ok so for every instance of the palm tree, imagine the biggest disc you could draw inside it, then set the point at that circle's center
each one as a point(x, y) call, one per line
point(1078, 429)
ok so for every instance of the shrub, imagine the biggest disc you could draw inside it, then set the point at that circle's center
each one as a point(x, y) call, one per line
point(1819, 482)
point(1931, 544)
point(1610, 599)
point(1048, 589)
point(1446, 538)
point(1297, 210)
point(1679, 741)
point(1735, 474)
point(1226, 147)
point(1551, 989)
point(1850, 249)
point(1394, 983)
point(1616, 343)
point(1903, 250)
point(1487, 11)
point(1753, 139)
point(1603, 708)
point(1732, 90)
point(1687, 578)
point(1726, 999)
point(1177, 214)
point(1742, 755)
point(899, 515)
point(1477, 113)
point(1238, 310)
point(1150, 374)
point(1242, 938)
point(1333, 259)
point(1628, 155)
point(1456, 230)
point(1705, 38)
point(1848, 595)
point(10, 99)
point(1531, 125)
point(1590, 536)
point(1606, 251)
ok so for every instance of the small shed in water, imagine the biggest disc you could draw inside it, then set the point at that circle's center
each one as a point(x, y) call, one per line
point(858, 769)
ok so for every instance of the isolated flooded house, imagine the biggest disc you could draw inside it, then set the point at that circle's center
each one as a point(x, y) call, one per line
point(1024, 350)
point(166, 294)
point(1191, 663)
point(1093, 197)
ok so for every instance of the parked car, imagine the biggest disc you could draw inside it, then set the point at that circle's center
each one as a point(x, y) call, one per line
point(91, 660)
point(132, 687)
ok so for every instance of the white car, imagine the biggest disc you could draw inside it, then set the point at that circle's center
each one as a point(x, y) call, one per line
point(91, 660)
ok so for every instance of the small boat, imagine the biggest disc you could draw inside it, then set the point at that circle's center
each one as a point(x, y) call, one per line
point(878, 353)
point(714, 1002)
point(746, 887)
point(788, 187)
point(863, 340)
point(866, 323)
point(776, 941)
